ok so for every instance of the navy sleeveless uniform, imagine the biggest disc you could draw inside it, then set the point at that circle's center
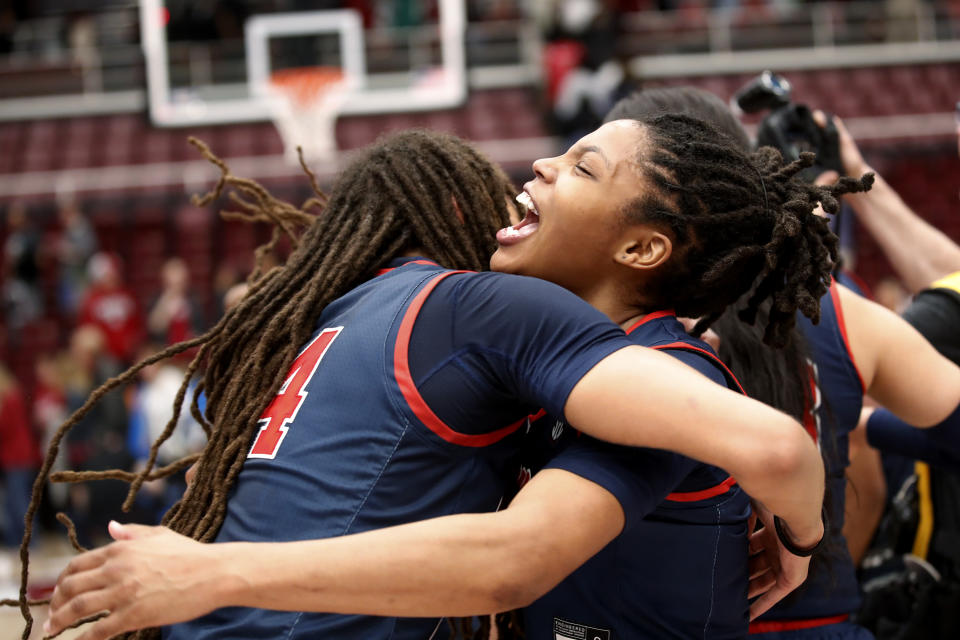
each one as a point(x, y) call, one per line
point(404, 406)
point(678, 569)
point(820, 607)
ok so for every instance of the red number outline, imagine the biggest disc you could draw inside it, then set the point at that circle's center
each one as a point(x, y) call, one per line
point(282, 411)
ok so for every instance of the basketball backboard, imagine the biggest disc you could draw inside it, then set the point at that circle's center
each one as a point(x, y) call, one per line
point(417, 66)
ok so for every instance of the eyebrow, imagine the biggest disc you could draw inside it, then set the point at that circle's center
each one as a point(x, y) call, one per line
point(597, 150)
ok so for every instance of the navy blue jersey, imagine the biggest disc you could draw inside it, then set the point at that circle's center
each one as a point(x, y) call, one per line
point(831, 589)
point(363, 433)
point(679, 567)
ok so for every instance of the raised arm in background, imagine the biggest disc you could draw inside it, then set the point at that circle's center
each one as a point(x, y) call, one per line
point(918, 252)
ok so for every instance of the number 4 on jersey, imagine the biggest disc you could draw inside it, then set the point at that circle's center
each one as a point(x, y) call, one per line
point(278, 416)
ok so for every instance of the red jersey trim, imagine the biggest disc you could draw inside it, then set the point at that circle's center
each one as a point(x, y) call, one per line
point(713, 358)
point(809, 412)
point(429, 262)
point(767, 626)
point(409, 390)
point(651, 316)
point(835, 296)
point(723, 487)
point(694, 496)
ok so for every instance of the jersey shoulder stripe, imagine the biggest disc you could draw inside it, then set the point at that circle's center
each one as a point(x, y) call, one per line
point(408, 387)
point(841, 324)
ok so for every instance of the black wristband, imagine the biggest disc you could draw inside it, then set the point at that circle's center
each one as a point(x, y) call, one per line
point(794, 549)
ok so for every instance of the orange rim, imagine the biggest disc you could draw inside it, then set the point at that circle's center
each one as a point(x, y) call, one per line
point(304, 85)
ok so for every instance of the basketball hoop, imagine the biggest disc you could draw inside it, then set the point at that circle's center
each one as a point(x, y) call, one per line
point(304, 103)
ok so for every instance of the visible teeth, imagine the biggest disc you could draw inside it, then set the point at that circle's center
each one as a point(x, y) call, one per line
point(525, 199)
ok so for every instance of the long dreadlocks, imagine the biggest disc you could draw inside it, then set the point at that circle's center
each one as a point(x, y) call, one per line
point(414, 190)
point(741, 221)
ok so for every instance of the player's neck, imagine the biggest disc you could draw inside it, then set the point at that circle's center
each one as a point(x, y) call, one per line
point(416, 253)
point(611, 301)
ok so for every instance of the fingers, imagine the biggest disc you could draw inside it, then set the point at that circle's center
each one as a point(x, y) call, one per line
point(758, 564)
point(108, 627)
point(763, 604)
point(131, 531)
point(761, 585)
point(83, 605)
point(756, 544)
point(762, 540)
point(87, 561)
point(72, 586)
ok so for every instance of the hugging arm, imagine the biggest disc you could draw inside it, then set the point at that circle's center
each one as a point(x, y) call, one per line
point(770, 455)
point(457, 565)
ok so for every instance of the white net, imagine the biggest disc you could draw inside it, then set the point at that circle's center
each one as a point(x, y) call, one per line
point(305, 103)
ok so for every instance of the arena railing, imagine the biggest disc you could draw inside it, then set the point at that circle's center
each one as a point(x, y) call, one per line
point(39, 80)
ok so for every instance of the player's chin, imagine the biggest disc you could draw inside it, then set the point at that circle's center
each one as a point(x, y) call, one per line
point(507, 259)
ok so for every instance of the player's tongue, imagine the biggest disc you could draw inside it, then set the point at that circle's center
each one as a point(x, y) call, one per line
point(525, 228)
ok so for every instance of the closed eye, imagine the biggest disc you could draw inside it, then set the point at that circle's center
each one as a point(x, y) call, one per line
point(583, 170)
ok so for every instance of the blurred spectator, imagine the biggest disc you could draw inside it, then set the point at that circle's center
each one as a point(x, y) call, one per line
point(891, 293)
point(76, 245)
point(234, 295)
point(174, 315)
point(108, 304)
point(49, 412)
point(97, 441)
point(226, 276)
point(22, 299)
point(82, 43)
point(87, 366)
point(151, 409)
point(586, 93)
point(19, 457)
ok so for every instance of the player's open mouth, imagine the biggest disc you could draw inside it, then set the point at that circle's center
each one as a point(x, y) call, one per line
point(526, 227)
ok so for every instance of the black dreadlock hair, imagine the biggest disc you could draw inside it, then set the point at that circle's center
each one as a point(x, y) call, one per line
point(740, 221)
point(414, 190)
point(691, 101)
point(777, 377)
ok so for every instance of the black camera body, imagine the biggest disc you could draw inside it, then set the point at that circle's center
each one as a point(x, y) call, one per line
point(789, 127)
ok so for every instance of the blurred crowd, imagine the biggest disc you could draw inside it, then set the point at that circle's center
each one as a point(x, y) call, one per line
point(107, 329)
point(85, 26)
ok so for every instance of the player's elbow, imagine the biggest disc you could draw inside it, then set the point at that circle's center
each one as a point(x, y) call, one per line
point(790, 457)
point(521, 585)
point(527, 570)
point(514, 591)
point(795, 456)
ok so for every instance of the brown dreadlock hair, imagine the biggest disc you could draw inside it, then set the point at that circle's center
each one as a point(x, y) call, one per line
point(740, 221)
point(414, 190)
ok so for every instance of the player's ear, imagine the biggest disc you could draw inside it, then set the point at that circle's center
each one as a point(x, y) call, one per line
point(644, 248)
